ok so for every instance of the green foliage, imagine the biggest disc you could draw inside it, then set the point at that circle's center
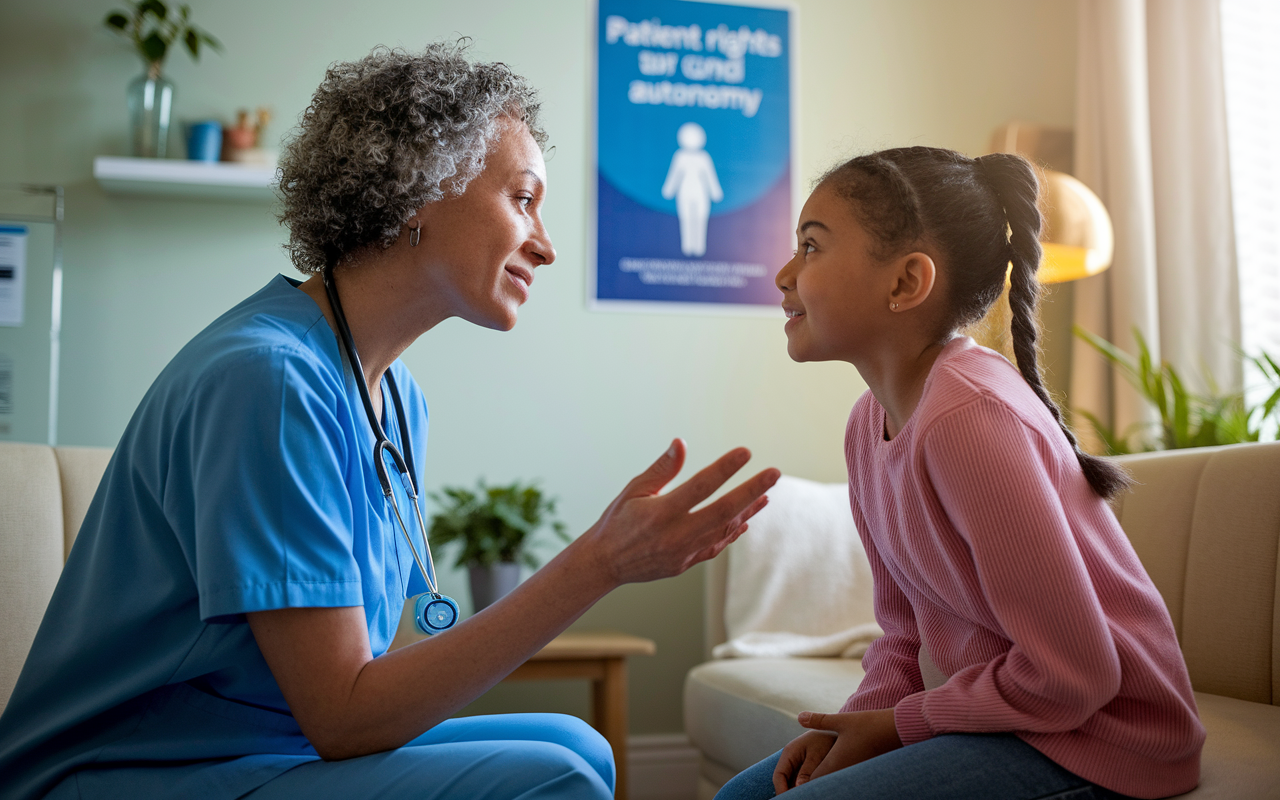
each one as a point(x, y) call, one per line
point(493, 523)
point(153, 27)
point(1270, 372)
point(1186, 419)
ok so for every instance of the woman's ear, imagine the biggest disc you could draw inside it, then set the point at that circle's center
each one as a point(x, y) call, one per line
point(914, 278)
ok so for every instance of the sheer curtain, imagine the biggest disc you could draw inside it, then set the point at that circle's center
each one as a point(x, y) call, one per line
point(1151, 140)
point(1250, 32)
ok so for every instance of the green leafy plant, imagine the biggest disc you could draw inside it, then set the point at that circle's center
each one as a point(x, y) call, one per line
point(153, 27)
point(493, 523)
point(1187, 419)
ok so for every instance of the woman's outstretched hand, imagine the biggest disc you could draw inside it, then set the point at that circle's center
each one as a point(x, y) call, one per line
point(349, 703)
point(644, 536)
point(836, 741)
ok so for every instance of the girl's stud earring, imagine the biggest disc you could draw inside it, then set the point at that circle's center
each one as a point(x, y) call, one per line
point(893, 306)
point(415, 233)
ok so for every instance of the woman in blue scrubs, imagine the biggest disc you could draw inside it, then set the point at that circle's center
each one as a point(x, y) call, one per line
point(222, 624)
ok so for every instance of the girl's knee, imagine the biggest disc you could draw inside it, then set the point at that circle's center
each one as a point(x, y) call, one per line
point(753, 783)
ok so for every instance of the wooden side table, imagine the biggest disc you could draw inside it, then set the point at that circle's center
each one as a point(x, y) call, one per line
point(602, 659)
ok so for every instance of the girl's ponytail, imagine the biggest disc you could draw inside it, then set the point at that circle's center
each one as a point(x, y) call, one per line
point(1014, 183)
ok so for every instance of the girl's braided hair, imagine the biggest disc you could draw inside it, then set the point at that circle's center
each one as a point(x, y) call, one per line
point(980, 216)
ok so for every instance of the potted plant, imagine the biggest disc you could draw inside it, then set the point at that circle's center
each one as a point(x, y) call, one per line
point(493, 525)
point(152, 27)
point(1187, 419)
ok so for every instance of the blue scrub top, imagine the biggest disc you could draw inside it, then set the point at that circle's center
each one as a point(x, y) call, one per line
point(244, 482)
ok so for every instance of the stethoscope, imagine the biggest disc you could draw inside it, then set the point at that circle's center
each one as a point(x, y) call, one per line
point(432, 612)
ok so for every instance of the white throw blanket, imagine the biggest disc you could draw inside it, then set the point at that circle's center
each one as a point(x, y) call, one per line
point(799, 583)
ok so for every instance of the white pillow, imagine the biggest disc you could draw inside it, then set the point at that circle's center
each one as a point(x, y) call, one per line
point(799, 583)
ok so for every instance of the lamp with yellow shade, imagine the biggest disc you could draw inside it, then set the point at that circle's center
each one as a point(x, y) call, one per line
point(1077, 240)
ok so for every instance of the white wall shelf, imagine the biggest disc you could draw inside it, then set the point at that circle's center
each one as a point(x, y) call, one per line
point(167, 177)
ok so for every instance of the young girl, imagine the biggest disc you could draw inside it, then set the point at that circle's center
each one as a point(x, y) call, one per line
point(1026, 653)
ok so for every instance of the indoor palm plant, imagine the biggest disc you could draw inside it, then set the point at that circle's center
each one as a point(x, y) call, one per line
point(493, 526)
point(1187, 419)
point(153, 28)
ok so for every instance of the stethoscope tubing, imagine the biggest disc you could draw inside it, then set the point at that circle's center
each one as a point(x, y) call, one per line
point(381, 443)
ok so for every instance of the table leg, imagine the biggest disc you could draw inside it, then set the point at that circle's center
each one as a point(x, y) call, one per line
point(609, 713)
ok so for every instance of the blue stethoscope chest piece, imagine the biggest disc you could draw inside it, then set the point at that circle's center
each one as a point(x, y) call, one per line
point(434, 612)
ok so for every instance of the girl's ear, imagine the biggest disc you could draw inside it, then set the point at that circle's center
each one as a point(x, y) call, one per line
point(914, 278)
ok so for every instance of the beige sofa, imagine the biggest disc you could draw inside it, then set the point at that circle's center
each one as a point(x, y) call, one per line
point(1206, 524)
point(44, 494)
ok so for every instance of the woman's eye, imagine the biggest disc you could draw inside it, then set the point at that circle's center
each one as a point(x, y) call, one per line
point(525, 200)
point(808, 248)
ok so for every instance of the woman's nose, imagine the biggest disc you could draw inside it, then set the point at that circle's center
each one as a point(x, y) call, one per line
point(540, 246)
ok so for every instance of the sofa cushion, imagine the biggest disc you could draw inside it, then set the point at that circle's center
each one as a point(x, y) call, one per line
point(30, 550)
point(80, 469)
point(738, 711)
point(1206, 524)
point(1242, 752)
point(799, 584)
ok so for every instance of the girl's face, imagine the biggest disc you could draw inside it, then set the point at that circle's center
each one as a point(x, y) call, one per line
point(835, 294)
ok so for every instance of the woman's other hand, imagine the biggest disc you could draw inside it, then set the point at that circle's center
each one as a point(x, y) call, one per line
point(836, 741)
point(644, 536)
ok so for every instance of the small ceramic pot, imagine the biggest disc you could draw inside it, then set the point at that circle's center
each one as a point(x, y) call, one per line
point(492, 583)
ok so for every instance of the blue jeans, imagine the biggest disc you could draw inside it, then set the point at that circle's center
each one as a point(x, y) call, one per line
point(952, 767)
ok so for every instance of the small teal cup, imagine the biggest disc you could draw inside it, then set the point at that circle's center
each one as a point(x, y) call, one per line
point(204, 141)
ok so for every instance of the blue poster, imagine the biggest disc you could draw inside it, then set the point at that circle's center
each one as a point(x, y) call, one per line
point(693, 155)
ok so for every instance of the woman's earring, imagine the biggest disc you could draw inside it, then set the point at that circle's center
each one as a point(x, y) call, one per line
point(415, 233)
point(893, 306)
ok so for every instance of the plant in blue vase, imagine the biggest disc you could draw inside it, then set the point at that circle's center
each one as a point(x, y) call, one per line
point(153, 28)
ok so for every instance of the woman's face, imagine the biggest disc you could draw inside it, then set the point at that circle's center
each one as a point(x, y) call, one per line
point(835, 293)
point(481, 247)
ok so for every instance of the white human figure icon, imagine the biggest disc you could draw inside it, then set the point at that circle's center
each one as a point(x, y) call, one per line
point(692, 182)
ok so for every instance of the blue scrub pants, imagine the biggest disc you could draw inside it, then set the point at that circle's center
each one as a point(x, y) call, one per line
point(951, 767)
point(499, 757)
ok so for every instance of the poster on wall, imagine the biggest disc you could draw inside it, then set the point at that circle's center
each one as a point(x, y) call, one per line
point(694, 156)
point(13, 270)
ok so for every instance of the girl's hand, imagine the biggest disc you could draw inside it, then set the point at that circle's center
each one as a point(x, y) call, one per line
point(836, 741)
point(800, 758)
point(644, 536)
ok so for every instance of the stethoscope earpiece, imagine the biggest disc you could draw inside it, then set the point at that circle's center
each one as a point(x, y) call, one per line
point(432, 612)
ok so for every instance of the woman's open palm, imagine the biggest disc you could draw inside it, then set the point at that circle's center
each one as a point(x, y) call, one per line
point(644, 536)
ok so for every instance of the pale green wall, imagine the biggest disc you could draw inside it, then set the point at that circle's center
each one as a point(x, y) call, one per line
point(581, 400)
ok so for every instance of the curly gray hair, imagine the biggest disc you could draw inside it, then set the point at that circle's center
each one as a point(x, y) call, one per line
point(386, 135)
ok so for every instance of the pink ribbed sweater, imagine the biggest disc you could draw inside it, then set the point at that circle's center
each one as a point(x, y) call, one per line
point(986, 542)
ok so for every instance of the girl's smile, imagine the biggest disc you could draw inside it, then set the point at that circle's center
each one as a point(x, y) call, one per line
point(793, 317)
